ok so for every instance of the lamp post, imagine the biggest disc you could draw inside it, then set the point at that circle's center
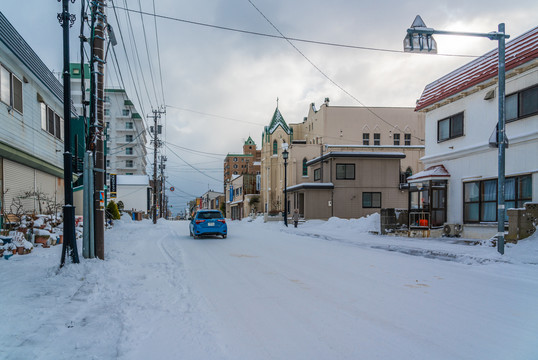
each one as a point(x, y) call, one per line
point(419, 39)
point(69, 247)
point(285, 157)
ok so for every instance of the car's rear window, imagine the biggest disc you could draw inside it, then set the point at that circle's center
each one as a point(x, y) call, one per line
point(209, 215)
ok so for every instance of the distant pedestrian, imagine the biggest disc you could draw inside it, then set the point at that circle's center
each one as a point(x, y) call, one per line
point(295, 217)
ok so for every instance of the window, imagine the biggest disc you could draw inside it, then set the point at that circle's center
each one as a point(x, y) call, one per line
point(371, 199)
point(317, 174)
point(407, 139)
point(522, 104)
point(107, 99)
point(345, 171)
point(235, 159)
point(377, 139)
point(235, 166)
point(449, 128)
point(129, 151)
point(125, 112)
point(128, 138)
point(108, 163)
point(107, 112)
point(365, 138)
point(129, 125)
point(129, 163)
point(10, 89)
point(480, 197)
point(275, 148)
point(52, 122)
point(305, 168)
point(396, 139)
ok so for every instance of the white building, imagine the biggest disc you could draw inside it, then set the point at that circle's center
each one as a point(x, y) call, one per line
point(126, 135)
point(460, 183)
point(134, 192)
point(31, 131)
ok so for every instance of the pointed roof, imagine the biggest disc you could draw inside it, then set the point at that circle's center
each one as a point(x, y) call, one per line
point(277, 120)
point(250, 141)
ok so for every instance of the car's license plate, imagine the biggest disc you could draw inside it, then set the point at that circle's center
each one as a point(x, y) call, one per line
point(211, 224)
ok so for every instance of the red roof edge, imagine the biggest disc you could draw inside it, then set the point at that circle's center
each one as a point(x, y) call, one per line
point(518, 51)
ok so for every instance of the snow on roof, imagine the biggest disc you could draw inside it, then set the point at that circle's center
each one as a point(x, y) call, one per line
point(141, 180)
point(257, 163)
point(522, 49)
point(436, 171)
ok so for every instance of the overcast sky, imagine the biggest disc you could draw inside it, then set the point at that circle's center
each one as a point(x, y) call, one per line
point(220, 86)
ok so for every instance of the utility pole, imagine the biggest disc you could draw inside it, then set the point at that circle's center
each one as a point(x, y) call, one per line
point(70, 244)
point(97, 120)
point(162, 166)
point(156, 144)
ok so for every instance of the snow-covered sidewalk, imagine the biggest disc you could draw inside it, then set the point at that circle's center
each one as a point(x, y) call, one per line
point(325, 290)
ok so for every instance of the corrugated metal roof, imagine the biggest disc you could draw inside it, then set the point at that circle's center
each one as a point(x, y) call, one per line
point(520, 50)
point(20, 48)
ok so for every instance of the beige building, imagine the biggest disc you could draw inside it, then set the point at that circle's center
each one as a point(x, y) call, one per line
point(337, 129)
point(349, 185)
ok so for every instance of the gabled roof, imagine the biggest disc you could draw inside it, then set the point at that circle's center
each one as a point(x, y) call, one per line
point(250, 141)
point(520, 50)
point(20, 48)
point(276, 121)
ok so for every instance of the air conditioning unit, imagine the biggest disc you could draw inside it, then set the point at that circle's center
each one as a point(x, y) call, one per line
point(452, 230)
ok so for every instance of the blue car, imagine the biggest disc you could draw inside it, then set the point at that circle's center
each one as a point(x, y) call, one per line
point(208, 222)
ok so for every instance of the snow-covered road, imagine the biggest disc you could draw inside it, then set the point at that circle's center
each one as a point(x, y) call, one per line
point(327, 290)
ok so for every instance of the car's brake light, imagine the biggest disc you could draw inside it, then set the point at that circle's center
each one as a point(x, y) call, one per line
point(199, 221)
point(222, 221)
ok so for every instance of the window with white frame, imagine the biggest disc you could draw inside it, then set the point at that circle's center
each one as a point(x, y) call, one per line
point(129, 151)
point(10, 89)
point(51, 122)
point(129, 163)
point(129, 125)
point(396, 139)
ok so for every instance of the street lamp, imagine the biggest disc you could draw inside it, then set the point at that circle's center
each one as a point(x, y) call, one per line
point(285, 157)
point(419, 39)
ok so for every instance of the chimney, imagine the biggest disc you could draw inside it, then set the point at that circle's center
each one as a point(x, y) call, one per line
point(326, 101)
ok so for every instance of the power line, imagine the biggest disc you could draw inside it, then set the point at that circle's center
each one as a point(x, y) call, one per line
point(284, 37)
point(199, 171)
point(147, 52)
point(213, 115)
point(136, 53)
point(323, 73)
point(158, 53)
